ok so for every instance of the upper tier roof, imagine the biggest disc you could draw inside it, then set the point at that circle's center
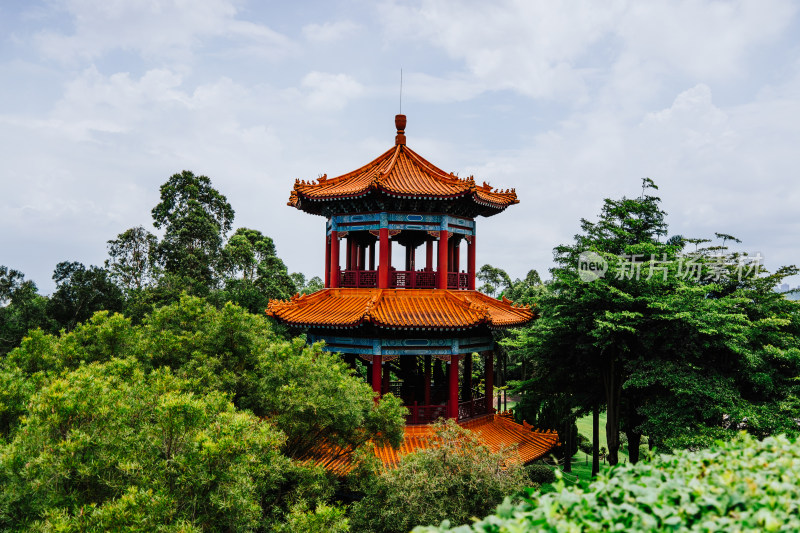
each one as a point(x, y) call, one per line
point(430, 309)
point(399, 179)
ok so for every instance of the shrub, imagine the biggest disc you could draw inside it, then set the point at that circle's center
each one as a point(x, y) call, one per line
point(456, 478)
point(744, 485)
point(541, 474)
point(585, 444)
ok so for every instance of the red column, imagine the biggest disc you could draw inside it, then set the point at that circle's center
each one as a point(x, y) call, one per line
point(327, 261)
point(362, 256)
point(471, 264)
point(452, 387)
point(457, 256)
point(429, 256)
point(383, 259)
point(413, 258)
point(334, 273)
point(385, 384)
point(442, 260)
point(489, 379)
point(376, 375)
point(348, 256)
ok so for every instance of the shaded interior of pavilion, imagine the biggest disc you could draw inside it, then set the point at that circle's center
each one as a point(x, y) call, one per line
point(415, 259)
point(429, 388)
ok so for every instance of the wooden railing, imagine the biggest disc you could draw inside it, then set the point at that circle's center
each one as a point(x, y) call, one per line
point(474, 407)
point(457, 280)
point(425, 414)
point(411, 279)
point(358, 278)
point(403, 279)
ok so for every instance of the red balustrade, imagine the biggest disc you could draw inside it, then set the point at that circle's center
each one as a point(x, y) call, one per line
point(402, 279)
point(474, 407)
point(358, 278)
point(425, 414)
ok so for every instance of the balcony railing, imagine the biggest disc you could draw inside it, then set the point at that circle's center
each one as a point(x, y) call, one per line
point(358, 278)
point(403, 279)
point(410, 279)
point(425, 414)
point(471, 409)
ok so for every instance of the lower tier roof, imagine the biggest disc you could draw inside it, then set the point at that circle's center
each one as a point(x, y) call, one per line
point(426, 309)
point(495, 431)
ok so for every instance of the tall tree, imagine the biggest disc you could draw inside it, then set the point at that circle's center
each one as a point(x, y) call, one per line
point(493, 279)
point(195, 218)
point(21, 308)
point(132, 259)
point(254, 274)
point(656, 327)
point(80, 292)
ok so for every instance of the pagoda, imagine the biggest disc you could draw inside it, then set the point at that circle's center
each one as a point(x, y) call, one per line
point(414, 315)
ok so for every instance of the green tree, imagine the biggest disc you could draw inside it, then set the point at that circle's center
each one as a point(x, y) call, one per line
point(455, 479)
point(80, 292)
point(107, 446)
point(195, 218)
point(254, 272)
point(132, 259)
point(493, 279)
point(21, 308)
point(653, 337)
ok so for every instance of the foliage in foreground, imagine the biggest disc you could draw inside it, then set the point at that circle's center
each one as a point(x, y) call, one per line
point(743, 485)
point(456, 478)
point(192, 419)
point(107, 446)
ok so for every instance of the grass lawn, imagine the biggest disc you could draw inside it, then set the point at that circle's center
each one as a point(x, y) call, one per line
point(581, 462)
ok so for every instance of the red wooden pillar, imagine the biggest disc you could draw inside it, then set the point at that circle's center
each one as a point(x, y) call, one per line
point(471, 264)
point(429, 256)
point(377, 382)
point(334, 273)
point(348, 256)
point(327, 261)
point(457, 255)
point(383, 259)
point(452, 387)
point(489, 380)
point(362, 256)
point(442, 259)
point(385, 383)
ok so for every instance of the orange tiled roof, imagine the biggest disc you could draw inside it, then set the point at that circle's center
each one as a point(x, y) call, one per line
point(401, 172)
point(399, 309)
point(495, 431)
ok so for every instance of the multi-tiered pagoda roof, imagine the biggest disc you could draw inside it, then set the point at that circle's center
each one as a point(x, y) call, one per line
point(416, 324)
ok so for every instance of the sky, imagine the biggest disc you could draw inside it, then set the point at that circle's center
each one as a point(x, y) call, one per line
point(567, 102)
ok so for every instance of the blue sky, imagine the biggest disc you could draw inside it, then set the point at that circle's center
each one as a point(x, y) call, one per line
point(568, 102)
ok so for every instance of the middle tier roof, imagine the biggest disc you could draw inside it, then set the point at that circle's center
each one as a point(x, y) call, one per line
point(418, 309)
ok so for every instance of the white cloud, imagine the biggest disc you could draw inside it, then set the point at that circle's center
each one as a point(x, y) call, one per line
point(329, 32)
point(330, 91)
point(546, 50)
point(153, 28)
